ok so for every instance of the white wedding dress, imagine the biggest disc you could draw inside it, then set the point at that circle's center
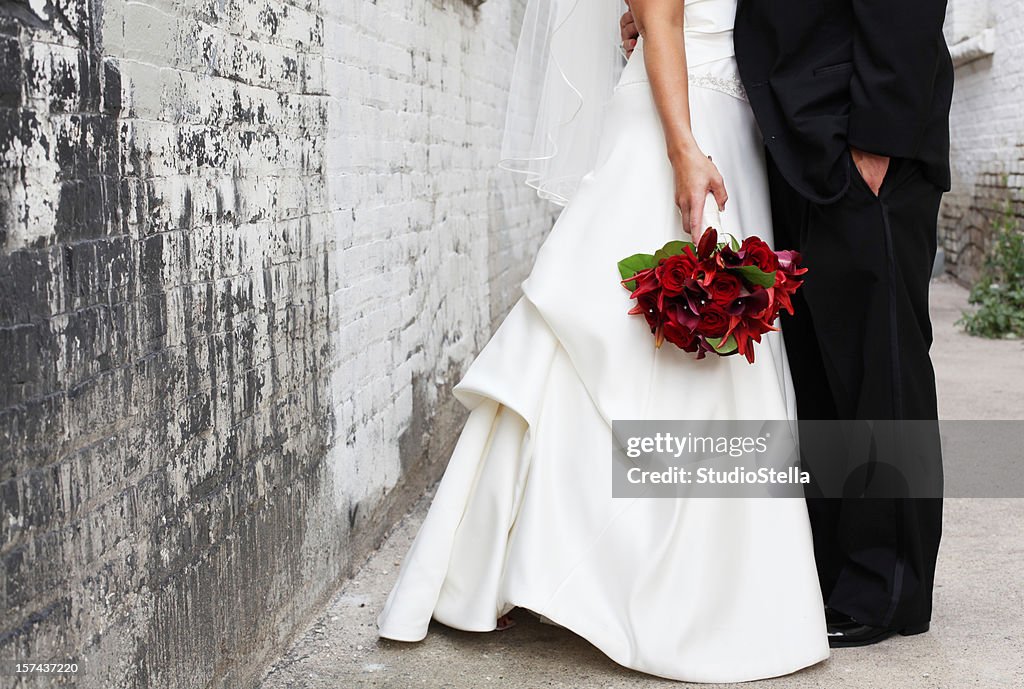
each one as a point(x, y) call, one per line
point(702, 590)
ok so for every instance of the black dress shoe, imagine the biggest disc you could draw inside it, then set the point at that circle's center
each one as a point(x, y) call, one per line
point(846, 632)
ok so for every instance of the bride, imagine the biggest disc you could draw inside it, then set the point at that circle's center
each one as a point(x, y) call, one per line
point(701, 590)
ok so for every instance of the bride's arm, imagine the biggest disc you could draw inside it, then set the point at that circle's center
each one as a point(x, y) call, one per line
point(660, 22)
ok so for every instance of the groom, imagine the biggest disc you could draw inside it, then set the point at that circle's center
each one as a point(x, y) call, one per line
point(853, 97)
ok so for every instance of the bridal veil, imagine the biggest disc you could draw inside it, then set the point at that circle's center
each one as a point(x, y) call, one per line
point(566, 68)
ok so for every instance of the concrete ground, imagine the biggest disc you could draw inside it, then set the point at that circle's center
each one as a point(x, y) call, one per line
point(977, 637)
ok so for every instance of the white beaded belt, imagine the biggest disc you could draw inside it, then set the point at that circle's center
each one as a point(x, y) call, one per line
point(729, 86)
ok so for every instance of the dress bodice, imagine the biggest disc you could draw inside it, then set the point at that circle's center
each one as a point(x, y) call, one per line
point(708, 27)
point(709, 16)
point(710, 54)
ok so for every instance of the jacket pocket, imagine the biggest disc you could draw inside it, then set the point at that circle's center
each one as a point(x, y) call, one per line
point(834, 69)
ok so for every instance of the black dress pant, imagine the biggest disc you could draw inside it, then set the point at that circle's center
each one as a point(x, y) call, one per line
point(858, 350)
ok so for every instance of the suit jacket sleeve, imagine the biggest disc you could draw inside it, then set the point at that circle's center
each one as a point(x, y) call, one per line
point(897, 49)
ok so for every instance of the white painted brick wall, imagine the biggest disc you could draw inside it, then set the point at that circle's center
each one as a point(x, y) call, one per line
point(433, 239)
point(247, 248)
point(987, 132)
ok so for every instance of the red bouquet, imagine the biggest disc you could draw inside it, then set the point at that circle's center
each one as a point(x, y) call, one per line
point(712, 297)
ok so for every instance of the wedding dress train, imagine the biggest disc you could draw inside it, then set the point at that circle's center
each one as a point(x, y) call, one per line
point(524, 516)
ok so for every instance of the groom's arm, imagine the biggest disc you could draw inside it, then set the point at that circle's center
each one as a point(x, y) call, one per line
point(897, 49)
point(628, 31)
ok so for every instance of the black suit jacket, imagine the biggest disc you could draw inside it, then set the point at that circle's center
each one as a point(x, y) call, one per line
point(824, 75)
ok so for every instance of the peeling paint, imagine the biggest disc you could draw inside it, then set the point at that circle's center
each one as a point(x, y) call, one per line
point(246, 249)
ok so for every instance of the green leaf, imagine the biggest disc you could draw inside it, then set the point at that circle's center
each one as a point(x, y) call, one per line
point(755, 275)
point(631, 265)
point(673, 248)
point(732, 242)
point(727, 347)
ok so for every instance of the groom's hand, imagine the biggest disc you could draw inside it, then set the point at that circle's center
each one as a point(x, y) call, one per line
point(872, 168)
point(629, 31)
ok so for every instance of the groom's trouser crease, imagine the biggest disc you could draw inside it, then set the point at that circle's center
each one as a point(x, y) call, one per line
point(858, 348)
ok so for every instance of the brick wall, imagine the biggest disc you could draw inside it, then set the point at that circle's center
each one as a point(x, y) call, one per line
point(987, 133)
point(246, 247)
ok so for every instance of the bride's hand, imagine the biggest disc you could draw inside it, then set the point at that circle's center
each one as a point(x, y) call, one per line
point(696, 176)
